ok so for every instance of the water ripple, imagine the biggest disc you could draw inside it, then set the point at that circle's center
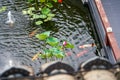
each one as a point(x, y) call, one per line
point(68, 24)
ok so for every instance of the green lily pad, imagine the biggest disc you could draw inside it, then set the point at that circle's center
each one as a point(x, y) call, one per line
point(3, 8)
point(43, 56)
point(53, 50)
point(48, 19)
point(52, 41)
point(61, 55)
point(30, 12)
point(42, 0)
point(31, 8)
point(35, 16)
point(55, 0)
point(69, 45)
point(49, 5)
point(57, 52)
point(38, 22)
point(43, 35)
point(30, 0)
point(51, 15)
point(45, 11)
point(48, 53)
point(43, 16)
point(24, 12)
point(60, 47)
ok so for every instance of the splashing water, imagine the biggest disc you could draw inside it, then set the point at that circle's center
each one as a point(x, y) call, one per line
point(11, 19)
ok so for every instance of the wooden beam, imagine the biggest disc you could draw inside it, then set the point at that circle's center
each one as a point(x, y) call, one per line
point(108, 29)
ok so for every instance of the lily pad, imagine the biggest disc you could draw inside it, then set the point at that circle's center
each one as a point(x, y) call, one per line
point(45, 11)
point(69, 45)
point(24, 12)
point(43, 36)
point(59, 55)
point(48, 53)
point(49, 5)
point(48, 19)
point(43, 16)
point(57, 52)
point(42, 0)
point(2, 9)
point(51, 15)
point(35, 16)
point(52, 41)
point(55, 0)
point(38, 22)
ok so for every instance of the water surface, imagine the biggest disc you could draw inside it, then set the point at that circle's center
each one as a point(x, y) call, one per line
point(70, 23)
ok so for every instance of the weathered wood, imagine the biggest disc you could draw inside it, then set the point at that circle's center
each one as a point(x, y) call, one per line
point(108, 29)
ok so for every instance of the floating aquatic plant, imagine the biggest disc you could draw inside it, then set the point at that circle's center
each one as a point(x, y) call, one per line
point(56, 49)
point(3, 8)
point(40, 10)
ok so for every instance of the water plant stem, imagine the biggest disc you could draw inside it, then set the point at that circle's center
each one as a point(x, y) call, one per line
point(36, 4)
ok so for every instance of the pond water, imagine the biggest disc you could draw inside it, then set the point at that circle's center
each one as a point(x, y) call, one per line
point(71, 23)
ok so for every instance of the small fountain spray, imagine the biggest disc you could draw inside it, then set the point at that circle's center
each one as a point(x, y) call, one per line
point(11, 19)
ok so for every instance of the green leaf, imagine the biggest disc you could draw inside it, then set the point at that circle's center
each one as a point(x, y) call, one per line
point(60, 55)
point(30, 12)
point(57, 52)
point(45, 11)
point(3, 8)
point(43, 56)
point(48, 19)
point(52, 41)
point(43, 16)
point(53, 50)
point(55, 0)
point(51, 15)
point(38, 22)
point(69, 45)
point(31, 8)
point(48, 53)
point(49, 5)
point(35, 16)
point(42, 0)
point(30, 0)
point(24, 12)
point(43, 36)
point(60, 47)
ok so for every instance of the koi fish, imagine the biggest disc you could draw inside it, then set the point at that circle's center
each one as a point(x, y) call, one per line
point(33, 32)
point(81, 53)
point(36, 56)
point(60, 1)
point(68, 54)
point(87, 45)
point(11, 19)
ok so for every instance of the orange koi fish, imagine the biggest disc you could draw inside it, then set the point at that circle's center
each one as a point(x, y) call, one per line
point(87, 45)
point(36, 56)
point(33, 32)
point(81, 53)
point(68, 54)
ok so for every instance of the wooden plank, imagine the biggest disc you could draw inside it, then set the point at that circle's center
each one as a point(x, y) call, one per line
point(108, 29)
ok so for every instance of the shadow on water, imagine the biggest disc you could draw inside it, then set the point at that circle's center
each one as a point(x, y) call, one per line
point(70, 23)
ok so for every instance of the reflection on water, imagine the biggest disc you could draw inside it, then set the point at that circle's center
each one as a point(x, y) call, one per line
point(68, 24)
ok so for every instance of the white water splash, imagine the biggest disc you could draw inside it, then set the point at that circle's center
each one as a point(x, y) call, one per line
point(10, 63)
point(11, 19)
